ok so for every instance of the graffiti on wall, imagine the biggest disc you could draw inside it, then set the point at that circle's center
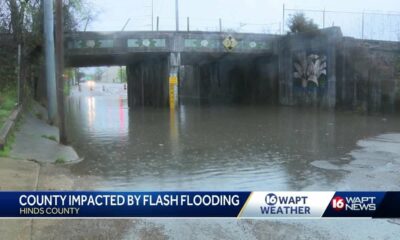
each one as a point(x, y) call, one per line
point(309, 69)
point(310, 74)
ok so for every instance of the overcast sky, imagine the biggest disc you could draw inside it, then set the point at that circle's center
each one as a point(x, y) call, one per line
point(244, 15)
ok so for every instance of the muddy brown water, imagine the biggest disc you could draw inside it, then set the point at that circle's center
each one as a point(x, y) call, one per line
point(211, 148)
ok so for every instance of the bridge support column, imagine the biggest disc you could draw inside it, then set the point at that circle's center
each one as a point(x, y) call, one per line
point(174, 65)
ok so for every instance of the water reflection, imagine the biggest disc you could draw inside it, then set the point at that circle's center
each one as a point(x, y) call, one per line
point(122, 113)
point(91, 110)
point(174, 131)
point(98, 117)
point(221, 147)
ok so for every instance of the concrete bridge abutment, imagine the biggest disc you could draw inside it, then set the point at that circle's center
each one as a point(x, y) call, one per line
point(154, 81)
point(148, 83)
point(241, 80)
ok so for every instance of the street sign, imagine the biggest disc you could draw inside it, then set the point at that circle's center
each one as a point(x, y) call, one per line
point(230, 43)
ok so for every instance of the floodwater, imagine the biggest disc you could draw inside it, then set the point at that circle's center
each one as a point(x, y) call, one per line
point(213, 147)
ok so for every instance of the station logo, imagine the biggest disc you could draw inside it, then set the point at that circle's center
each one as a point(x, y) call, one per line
point(364, 203)
point(285, 205)
point(338, 203)
point(271, 199)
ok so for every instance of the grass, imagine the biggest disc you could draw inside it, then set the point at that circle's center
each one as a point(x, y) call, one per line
point(60, 160)
point(67, 89)
point(52, 138)
point(6, 151)
point(39, 115)
point(8, 97)
point(8, 147)
point(4, 113)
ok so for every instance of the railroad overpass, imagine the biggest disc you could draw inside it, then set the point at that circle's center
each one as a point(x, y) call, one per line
point(319, 69)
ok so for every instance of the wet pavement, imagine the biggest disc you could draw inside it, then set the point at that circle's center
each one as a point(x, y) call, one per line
point(38, 141)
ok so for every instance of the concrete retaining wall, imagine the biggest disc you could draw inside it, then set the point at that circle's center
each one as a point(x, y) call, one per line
point(251, 80)
point(360, 75)
point(368, 75)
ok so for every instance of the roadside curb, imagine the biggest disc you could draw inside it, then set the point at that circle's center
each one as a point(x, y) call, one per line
point(8, 126)
point(33, 135)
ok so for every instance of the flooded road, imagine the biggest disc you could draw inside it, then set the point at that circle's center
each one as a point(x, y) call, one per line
point(214, 147)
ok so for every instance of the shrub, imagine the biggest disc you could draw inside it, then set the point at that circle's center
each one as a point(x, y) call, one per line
point(60, 160)
point(298, 23)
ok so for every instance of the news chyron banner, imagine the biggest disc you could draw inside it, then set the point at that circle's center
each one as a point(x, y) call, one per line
point(246, 205)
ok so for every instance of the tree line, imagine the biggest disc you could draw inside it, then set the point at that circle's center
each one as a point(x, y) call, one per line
point(21, 23)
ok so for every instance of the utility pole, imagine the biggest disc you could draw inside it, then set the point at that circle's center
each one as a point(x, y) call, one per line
point(87, 22)
point(152, 15)
point(60, 70)
point(126, 23)
point(283, 19)
point(50, 60)
point(362, 25)
point(19, 75)
point(177, 14)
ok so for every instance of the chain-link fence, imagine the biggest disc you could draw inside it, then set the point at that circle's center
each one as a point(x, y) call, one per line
point(192, 24)
point(363, 25)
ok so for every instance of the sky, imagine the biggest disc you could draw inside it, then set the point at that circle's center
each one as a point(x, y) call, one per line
point(247, 15)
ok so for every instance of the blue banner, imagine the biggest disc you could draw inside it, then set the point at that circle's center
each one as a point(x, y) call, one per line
point(121, 204)
point(251, 205)
point(364, 204)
